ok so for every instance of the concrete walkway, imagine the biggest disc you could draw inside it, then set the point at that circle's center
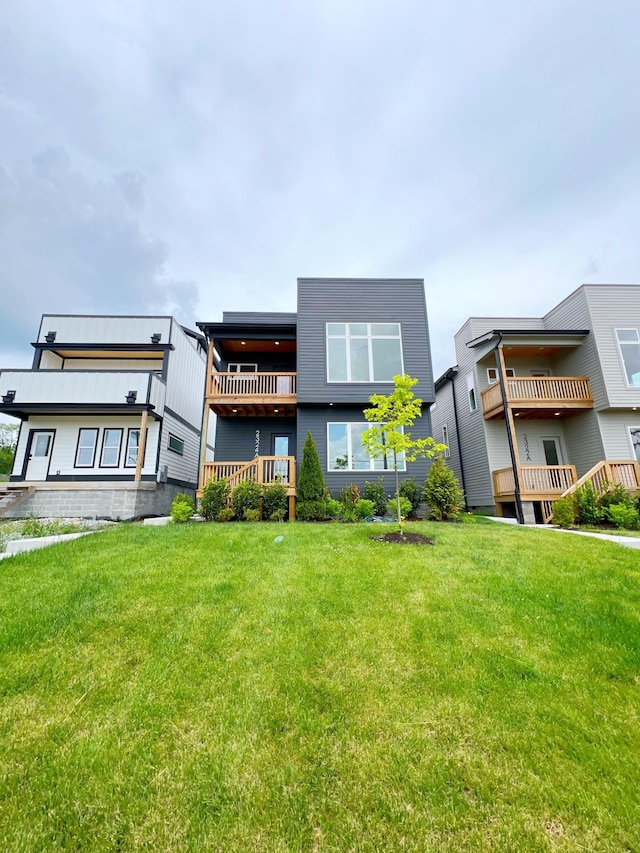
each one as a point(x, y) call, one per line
point(19, 546)
point(625, 541)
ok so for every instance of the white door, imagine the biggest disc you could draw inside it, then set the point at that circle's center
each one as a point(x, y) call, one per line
point(40, 454)
point(551, 449)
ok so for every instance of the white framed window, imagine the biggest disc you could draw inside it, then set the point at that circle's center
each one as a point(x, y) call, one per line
point(471, 393)
point(363, 352)
point(110, 453)
point(86, 448)
point(629, 347)
point(445, 439)
point(175, 444)
point(345, 451)
point(634, 438)
point(241, 367)
point(492, 373)
point(131, 455)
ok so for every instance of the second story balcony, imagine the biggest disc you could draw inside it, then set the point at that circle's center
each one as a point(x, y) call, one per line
point(538, 396)
point(252, 394)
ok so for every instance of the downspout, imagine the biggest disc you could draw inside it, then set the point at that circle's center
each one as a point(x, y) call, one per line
point(455, 419)
point(514, 461)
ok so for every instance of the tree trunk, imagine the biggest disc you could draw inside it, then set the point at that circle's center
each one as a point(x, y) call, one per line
point(395, 469)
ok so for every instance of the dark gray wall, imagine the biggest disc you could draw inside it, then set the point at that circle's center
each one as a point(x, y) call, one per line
point(322, 301)
point(236, 437)
point(267, 362)
point(316, 419)
point(277, 318)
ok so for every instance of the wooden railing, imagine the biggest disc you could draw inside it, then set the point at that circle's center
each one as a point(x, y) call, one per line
point(540, 392)
point(262, 469)
point(601, 476)
point(252, 386)
point(491, 397)
point(535, 480)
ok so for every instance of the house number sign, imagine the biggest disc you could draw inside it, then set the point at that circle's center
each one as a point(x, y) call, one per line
point(257, 453)
point(527, 454)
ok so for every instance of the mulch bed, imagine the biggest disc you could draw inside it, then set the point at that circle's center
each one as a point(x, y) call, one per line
point(407, 539)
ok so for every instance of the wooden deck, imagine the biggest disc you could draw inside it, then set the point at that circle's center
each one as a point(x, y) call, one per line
point(538, 396)
point(537, 482)
point(252, 394)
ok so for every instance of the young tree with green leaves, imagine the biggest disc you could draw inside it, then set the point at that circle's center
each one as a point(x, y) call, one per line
point(8, 440)
point(392, 418)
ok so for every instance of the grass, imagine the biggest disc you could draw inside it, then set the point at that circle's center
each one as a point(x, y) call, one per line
point(201, 687)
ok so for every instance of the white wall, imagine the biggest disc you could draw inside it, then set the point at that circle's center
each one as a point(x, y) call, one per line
point(108, 330)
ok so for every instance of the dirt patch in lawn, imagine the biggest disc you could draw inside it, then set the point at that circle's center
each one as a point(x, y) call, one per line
point(407, 539)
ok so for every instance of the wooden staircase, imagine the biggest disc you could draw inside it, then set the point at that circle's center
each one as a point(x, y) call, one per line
point(262, 469)
point(12, 494)
point(603, 475)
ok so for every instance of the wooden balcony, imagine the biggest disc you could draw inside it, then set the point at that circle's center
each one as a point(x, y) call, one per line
point(537, 482)
point(252, 394)
point(538, 396)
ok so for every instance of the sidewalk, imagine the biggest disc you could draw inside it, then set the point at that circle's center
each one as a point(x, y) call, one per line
point(625, 541)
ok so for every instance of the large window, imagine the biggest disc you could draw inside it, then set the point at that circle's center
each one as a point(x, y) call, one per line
point(131, 456)
point(363, 352)
point(111, 441)
point(471, 393)
point(86, 449)
point(635, 441)
point(629, 343)
point(345, 451)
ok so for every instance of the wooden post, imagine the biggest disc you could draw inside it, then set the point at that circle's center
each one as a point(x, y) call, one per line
point(142, 443)
point(206, 412)
point(511, 431)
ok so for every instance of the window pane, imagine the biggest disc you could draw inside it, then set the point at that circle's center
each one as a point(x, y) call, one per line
point(132, 448)
point(361, 461)
point(111, 447)
point(387, 360)
point(85, 456)
point(358, 329)
point(335, 329)
point(42, 445)
point(631, 358)
point(627, 335)
point(337, 350)
point(385, 329)
point(337, 451)
point(86, 447)
point(635, 440)
point(359, 350)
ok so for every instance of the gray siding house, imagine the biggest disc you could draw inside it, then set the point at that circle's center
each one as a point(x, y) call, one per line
point(110, 415)
point(535, 406)
point(273, 377)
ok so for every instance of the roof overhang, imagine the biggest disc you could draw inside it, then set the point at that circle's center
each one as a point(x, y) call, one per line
point(111, 350)
point(24, 410)
point(532, 337)
point(251, 337)
point(447, 376)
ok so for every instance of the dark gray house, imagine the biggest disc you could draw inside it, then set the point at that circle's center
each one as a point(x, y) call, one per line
point(273, 377)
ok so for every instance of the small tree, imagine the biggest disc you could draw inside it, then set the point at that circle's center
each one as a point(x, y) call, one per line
point(311, 487)
point(442, 491)
point(8, 439)
point(392, 417)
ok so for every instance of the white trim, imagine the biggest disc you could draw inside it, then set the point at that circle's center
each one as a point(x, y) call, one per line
point(509, 371)
point(471, 387)
point(402, 464)
point(559, 448)
point(633, 452)
point(369, 338)
point(621, 356)
point(238, 364)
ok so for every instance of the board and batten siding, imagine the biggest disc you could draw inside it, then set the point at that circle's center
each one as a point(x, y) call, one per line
point(444, 414)
point(104, 330)
point(322, 301)
point(186, 377)
point(180, 467)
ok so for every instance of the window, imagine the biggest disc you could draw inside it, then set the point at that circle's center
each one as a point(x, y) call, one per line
point(471, 393)
point(629, 343)
point(242, 368)
point(176, 444)
point(634, 433)
point(445, 439)
point(345, 451)
point(110, 454)
point(492, 373)
point(86, 449)
point(363, 352)
point(131, 456)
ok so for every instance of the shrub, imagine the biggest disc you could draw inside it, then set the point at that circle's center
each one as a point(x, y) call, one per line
point(625, 517)
point(405, 507)
point(33, 528)
point(376, 492)
point(409, 489)
point(226, 514)
point(364, 508)
point(442, 491)
point(615, 494)
point(349, 497)
point(564, 512)
point(587, 509)
point(274, 499)
point(333, 508)
point(245, 496)
point(252, 515)
point(214, 498)
point(278, 515)
point(311, 487)
point(182, 508)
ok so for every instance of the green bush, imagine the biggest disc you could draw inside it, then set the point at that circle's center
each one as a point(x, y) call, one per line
point(278, 515)
point(226, 514)
point(252, 515)
point(182, 508)
point(33, 528)
point(245, 497)
point(442, 491)
point(405, 507)
point(409, 489)
point(587, 509)
point(564, 512)
point(274, 499)
point(364, 509)
point(624, 517)
point(615, 494)
point(214, 498)
point(333, 508)
point(311, 487)
point(376, 492)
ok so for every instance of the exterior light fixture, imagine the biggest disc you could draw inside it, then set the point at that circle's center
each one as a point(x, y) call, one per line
point(243, 343)
point(277, 343)
point(156, 337)
point(50, 337)
point(234, 410)
point(131, 397)
point(557, 414)
point(276, 411)
point(9, 397)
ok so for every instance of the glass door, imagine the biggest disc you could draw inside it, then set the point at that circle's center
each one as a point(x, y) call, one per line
point(280, 447)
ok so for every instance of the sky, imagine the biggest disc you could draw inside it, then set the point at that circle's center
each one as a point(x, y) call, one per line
point(196, 157)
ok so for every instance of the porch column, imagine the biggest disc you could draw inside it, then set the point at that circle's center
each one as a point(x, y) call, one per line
point(511, 432)
point(142, 443)
point(205, 415)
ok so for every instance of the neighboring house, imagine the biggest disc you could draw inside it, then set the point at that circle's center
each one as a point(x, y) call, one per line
point(111, 412)
point(273, 377)
point(534, 404)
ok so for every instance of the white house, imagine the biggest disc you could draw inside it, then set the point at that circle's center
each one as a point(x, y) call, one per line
point(111, 415)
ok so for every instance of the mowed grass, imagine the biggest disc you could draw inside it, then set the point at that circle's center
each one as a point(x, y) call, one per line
point(202, 687)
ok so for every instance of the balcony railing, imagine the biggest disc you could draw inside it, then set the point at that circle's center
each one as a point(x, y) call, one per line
point(262, 469)
point(253, 386)
point(538, 392)
point(535, 480)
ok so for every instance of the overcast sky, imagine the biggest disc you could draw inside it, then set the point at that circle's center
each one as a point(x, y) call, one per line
point(197, 156)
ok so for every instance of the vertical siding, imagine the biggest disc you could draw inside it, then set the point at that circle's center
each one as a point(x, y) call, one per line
point(322, 301)
point(186, 377)
point(99, 329)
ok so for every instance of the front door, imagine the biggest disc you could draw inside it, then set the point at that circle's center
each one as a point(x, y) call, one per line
point(280, 447)
point(40, 447)
point(551, 449)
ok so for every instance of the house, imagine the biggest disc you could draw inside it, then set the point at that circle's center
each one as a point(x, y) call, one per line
point(535, 406)
point(273, 377)
point(110, 415)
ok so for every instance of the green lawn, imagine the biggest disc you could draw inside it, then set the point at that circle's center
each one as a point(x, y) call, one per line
point(201, 687)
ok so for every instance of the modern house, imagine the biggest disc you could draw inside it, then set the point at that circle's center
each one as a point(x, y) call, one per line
point(273, 377)
point(536, 406)
point(110, 415)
